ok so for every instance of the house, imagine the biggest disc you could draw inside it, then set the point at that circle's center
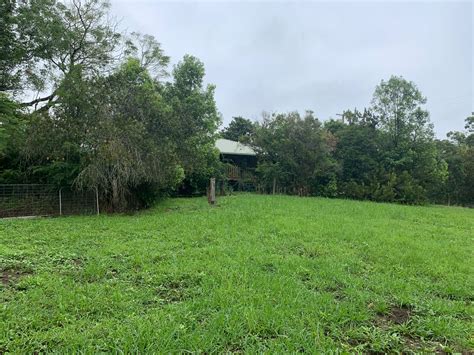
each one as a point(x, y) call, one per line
point(241, 161)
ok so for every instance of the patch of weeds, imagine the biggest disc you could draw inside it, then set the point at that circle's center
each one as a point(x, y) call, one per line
point(452, 296)
point(203, 242)
point(369, 339)
point(64, 261)
point(305, 251)
point(336, 290)
point(157, 259)
point(417, 344)
point(111, 273)
point(269, 267)
point(174, 289)
point(395, 320)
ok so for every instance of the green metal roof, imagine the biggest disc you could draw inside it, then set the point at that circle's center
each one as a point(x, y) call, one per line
point(227, 146)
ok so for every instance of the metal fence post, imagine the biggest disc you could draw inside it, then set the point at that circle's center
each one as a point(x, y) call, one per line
point(97, 199)
point(60, 202)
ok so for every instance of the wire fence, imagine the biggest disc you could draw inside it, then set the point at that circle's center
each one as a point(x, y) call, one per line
point(24, 200)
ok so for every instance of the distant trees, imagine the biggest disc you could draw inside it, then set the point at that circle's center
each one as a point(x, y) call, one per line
point(385, 153)
point(458, 152)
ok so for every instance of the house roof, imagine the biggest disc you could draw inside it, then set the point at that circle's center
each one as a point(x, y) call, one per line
point(227, 146)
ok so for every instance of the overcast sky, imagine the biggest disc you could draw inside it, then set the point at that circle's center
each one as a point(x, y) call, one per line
point(323, 56)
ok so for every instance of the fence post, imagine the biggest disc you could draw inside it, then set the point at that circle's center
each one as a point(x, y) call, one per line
point(60, 202)
point(97, 199)
point(212, 192)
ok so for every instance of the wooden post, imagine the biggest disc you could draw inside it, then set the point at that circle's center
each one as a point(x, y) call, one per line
point(212, 192)
point(274, 185)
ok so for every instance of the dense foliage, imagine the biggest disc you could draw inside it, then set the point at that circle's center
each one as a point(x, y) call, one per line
point(82, 104)
point(386, 153)
point(239, 129)
point(103, 115)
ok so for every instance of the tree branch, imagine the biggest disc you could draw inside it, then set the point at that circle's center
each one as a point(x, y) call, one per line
point(37, 101)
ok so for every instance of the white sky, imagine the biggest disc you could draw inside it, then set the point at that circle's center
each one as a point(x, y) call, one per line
point(324, 56)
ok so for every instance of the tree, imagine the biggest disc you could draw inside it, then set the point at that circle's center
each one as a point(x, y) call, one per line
point(239, 129)
point(357, 152)
point(410, 157)
point(103, 117)
point(11, 52)
point(294, 151)
point(149, 53)
point(111, 133)
point(469, 126)
point(195, 121)
point(398, 105)
point(458, 152)
point(57, 37)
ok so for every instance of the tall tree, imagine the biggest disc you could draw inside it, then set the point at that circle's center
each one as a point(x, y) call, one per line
point(411, 161)
point(60, 36)
point(239, 129)
point(195, 120)
point(11, 52)
point(398, 103)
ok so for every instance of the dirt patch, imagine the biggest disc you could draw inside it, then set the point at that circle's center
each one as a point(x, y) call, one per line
point(178, 288)
point(400, 315)
point(11, 276)
point(77, 262)
point(396, 315)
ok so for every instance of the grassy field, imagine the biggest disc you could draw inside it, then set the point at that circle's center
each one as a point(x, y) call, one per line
point(255, 273)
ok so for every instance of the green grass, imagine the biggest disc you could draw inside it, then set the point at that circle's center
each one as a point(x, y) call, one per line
point(255, 273)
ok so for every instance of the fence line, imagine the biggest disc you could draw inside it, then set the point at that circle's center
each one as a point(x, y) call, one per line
point(23, 200)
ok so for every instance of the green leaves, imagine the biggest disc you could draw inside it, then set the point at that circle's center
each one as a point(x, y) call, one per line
point(240, 129)
point(294, 151)
point(398, 104)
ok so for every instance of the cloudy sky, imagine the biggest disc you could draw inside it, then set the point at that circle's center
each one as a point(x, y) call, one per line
point(323, 56)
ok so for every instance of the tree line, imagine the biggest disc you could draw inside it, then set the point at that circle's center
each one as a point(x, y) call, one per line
point(387, 152)
point(84, 104)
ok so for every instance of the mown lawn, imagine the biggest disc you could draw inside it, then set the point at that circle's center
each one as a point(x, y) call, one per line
point(256, 273)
